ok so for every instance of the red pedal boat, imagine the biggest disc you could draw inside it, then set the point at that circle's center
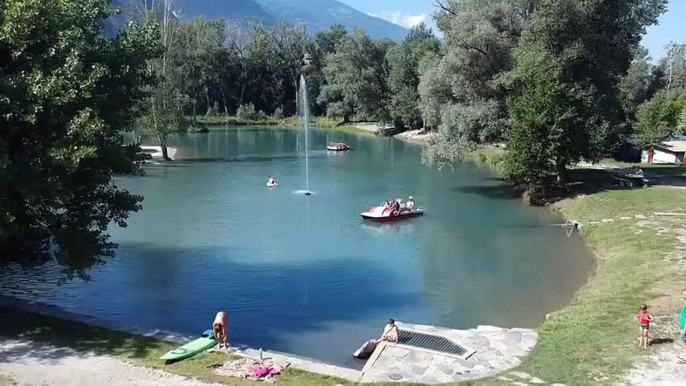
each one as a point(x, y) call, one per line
point(383, 214)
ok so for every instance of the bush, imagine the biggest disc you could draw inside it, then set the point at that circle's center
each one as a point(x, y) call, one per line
point(247, 112)
point(278, 113)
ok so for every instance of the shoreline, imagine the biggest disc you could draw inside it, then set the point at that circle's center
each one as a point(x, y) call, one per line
point(504, 349)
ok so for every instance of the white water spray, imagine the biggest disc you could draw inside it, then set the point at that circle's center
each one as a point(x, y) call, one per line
point(305, 116)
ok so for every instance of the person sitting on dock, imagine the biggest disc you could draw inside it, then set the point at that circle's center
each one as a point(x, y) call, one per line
point(391, 333)
point(219, 326)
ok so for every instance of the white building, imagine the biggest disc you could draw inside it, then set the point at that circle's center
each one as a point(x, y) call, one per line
point(670, 152)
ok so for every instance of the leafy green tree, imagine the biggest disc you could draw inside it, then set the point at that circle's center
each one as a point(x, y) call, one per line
point(459, 95)
point(567, 67)
point(198, 42)
point(674, 65)
point(403, 78)
point(66, 93)
point(162, 114)
point(640, 83)
point(357, 78)
point(658, 120)
point(324, 43)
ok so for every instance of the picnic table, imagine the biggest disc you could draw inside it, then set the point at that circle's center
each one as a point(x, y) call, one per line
point(631, 180)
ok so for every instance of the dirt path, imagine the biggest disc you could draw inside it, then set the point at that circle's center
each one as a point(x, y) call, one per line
point(660, 369)
point(38, 364)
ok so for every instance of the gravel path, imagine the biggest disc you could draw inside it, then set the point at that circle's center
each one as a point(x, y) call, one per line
point(33, 363)
point(661, 369)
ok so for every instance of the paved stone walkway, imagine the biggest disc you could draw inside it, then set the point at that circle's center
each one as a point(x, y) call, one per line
point(491, 350)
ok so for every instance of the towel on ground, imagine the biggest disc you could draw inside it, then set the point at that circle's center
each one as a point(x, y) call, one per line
point(254, 369)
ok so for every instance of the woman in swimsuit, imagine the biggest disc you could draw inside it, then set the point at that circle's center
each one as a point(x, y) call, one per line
point(220, 328)
point(390, 333)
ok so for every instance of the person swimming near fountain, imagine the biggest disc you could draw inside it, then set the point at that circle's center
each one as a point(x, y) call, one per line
point(391, 333)
point(220, 327)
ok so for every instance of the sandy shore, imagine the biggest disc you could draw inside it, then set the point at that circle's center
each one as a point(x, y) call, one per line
point(416, 135)
point(157, 151)
point(33, 363)
point(366, 126)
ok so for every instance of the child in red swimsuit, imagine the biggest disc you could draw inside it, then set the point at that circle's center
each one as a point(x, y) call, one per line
point(644, 318)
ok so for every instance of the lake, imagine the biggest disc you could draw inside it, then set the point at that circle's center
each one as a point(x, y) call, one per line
point(305, 275)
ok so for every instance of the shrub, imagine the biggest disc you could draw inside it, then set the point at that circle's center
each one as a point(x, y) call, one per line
point(247, 112)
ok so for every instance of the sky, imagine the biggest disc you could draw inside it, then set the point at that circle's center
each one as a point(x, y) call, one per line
point(412, 12)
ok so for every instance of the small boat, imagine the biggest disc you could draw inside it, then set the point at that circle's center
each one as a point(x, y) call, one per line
point(366, 350)
point(383, 214)
point(337, 147)
point(271, 184)
point(205, 342)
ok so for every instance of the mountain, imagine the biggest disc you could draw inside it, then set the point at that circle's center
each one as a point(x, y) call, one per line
point(316, 14)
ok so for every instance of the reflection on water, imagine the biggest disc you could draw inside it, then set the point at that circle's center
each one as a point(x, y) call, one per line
point(296, 271)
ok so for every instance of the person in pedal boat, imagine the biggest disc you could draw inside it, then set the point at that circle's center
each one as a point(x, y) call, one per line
point(219, 326)
point(409, 205)
point(390, 333)
point(271, 181)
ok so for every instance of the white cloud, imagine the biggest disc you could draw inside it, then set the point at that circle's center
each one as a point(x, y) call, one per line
point(402, 19)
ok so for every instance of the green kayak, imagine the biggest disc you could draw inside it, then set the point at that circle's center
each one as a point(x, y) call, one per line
point(189, 349)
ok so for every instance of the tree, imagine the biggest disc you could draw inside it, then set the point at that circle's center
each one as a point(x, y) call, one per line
point(640, 83)
point(403, 78)
point(162, 113)
point(658, 120)
point(66, 93)
point(567, 67)
point(357, 78)
point(197, 44)
point(674, 64)
point(460, 97)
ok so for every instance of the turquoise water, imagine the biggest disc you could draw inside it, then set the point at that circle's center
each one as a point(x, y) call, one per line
point(306, 275)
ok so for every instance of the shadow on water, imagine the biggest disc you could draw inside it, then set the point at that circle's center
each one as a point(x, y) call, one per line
point(269, 305)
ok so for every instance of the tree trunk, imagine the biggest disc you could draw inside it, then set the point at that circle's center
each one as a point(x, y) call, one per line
point(226, 107)
point(207, 98)
point(195, 113)
point(562, 173)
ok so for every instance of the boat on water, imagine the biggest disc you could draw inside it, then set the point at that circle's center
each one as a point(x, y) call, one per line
point(385, 214)
point(271, 184)
point(205, 342)
point(337, 147)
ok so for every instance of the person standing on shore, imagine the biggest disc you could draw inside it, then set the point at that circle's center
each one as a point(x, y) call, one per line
point(219, 326)
point(682, 329)
point(644, 318)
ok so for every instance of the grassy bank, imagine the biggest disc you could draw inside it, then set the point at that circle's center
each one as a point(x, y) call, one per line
point(593, 340)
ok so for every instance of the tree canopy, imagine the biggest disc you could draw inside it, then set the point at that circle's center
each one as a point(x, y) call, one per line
point(66, 93)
